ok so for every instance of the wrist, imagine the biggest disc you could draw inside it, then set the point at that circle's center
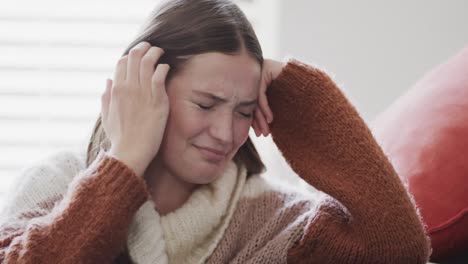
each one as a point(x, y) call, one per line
point(130, 160)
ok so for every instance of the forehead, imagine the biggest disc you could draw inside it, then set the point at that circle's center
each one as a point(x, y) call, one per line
point(227, 76)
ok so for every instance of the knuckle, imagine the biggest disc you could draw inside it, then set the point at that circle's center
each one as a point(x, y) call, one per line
point(122, 60)
point(136, 52)
point(144, 45)
point(158, 80)
point(118, 89)
point(147, 61)
point(115, 91)
point(152, 55)
point(118, 85)
point(158, 50)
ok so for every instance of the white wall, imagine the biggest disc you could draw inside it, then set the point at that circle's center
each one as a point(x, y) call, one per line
point(375, 49)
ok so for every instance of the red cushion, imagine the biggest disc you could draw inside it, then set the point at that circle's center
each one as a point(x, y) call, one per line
point(425, 135)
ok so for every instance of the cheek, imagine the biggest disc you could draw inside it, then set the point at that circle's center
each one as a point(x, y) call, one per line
point(185, 121)
point(241, 132)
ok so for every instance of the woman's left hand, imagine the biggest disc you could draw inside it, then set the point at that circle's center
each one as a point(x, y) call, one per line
point(263, 114)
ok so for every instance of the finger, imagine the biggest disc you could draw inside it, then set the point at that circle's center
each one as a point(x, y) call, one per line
point(105, 100)
point(262, 122)
point(256, 127)
point(120, 73)
point(158, 81)
point(259, 127)
point(263, 103)
point(134, 58)
point(263, 99)
point(147, 66)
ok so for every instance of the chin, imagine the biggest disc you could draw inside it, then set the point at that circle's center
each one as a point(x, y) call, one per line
point(198, 170)
point(205, 176)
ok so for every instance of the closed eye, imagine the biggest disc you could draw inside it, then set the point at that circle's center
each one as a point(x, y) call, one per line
point(208, 107)
point(205, 107)
point(246, 115)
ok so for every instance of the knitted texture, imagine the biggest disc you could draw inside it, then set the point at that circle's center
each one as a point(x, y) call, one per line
point(88, 224)
point(371, 218)
point(61, 212)
point(193, 230)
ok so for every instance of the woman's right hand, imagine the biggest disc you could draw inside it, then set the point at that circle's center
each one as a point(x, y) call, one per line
point(135, 107)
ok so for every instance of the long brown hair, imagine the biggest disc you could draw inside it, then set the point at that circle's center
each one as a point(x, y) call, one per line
point(190, 27)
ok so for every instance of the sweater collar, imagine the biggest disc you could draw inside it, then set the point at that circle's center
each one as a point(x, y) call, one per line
point(192, 231)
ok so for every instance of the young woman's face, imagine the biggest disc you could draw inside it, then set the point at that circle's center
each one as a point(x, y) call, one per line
point(212, 100)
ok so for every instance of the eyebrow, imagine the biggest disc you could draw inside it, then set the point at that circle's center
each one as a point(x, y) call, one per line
point(223, 100)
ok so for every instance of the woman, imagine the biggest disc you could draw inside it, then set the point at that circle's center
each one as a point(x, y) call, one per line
point(171, 175)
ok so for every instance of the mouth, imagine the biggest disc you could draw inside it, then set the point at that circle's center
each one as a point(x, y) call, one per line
point(212, 155)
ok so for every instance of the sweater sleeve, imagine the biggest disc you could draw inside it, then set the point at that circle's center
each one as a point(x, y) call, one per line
point(368, 216)
point(89, 225)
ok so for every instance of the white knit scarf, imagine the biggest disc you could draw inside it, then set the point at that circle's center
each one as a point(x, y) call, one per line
point(190, 233)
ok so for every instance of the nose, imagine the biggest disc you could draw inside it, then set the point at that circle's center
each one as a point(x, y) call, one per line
point(221, 128)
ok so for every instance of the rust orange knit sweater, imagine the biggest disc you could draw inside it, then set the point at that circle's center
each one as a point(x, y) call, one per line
point(367, 217)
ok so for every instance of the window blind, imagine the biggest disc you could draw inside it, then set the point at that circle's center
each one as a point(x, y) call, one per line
point(54, 59)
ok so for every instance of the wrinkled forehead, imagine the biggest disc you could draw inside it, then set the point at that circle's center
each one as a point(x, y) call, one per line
point(227, 76)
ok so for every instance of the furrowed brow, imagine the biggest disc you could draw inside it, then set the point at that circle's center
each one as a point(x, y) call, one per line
point(223, 100)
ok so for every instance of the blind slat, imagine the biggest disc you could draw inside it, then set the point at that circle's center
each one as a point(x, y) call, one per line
point(75, 107)
point(7, 178)
point(70, 33)
point(59, 57)
point(105, 10)
point(54, 62)
point(51, 82)
point(16, 158)
point(43, 132)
